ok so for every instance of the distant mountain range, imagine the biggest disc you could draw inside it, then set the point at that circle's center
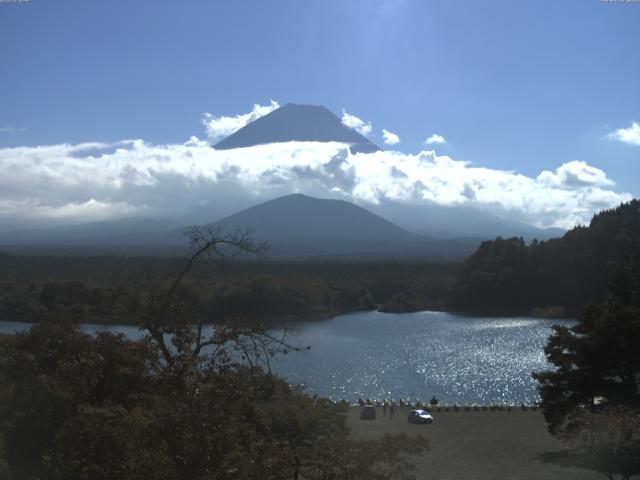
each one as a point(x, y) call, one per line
point(296, 227)
point(301, 123)
point(459, 221)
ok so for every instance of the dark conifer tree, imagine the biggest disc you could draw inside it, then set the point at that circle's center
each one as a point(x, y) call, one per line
point(597, 358)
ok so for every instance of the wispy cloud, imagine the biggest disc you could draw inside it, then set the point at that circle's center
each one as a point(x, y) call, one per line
point(221, 127)
point(629, 135)
point(359, 125)
point(435, 138)
point(390, 138)
point(9, 129)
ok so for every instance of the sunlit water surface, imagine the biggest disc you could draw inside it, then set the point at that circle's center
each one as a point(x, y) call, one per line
point(376, 355)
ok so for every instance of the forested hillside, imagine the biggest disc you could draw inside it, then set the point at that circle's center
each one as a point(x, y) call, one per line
point(509, 276)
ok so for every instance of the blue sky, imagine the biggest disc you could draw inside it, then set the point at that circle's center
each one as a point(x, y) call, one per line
point(522, 86)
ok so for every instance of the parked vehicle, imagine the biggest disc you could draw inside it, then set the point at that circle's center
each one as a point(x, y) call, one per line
point(368, 412)
point(419, 416)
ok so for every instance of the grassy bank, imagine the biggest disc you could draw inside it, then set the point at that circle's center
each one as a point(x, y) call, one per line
point(479, 445)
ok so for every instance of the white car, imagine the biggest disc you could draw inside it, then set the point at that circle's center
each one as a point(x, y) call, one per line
point(419, 416)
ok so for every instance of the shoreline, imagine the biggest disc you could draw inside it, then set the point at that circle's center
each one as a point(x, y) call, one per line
point(458, 408)
point(285, 320)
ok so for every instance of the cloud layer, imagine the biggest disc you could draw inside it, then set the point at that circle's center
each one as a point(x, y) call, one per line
point(220, 127)
point(94, 181)
point(629, 135)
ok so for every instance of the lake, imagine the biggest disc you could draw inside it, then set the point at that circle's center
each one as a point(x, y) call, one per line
point(375, 355)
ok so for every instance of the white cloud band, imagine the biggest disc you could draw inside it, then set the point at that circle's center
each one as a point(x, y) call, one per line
point(98, 181)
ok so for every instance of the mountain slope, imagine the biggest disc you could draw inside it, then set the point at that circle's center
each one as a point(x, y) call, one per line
point(300, 123)
point(318, 226)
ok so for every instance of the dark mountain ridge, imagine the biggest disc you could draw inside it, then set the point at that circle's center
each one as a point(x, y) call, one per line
point(298, 226)
point(299, 216)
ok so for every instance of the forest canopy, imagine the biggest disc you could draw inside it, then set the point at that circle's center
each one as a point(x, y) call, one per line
point(507, 276)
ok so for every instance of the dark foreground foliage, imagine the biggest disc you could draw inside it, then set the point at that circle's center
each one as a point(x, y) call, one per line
point(597, 358)
point(76, 406)
point(509, 276)
point(176, 404)
point(592, 397)
point(609, 442)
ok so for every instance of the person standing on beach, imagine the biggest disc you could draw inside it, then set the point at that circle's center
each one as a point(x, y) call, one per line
point(384, 408)
point(392, 411)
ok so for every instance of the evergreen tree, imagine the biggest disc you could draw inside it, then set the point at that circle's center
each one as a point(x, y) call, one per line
point(597, 358)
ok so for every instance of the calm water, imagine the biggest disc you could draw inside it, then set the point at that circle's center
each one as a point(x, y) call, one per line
point(410, 355)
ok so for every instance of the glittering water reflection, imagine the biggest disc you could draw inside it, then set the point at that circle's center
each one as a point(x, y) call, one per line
point(417, 355)
point(409, 355)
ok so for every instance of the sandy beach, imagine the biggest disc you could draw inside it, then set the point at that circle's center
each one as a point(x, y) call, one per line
point(479, 445)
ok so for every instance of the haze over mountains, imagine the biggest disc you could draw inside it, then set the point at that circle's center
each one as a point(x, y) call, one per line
point(297, 226)
point(460, 221)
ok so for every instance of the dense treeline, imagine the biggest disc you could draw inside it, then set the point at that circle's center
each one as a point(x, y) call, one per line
point(382, 276)
point(263, 291)
point(274, 298)
point(263, 298)
point(509, 276)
